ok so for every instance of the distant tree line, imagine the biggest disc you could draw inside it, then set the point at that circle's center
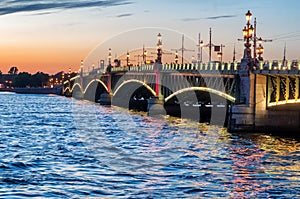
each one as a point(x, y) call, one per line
point(25, 79)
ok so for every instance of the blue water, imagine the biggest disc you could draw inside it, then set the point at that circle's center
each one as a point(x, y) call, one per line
point(56, 147)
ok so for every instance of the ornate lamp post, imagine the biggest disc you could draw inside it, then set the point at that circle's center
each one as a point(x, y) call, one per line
point(144, 56)
point(109, 56)
point(193, 60)
point(159, 50)
point(219, 55)
point(260, 49)
point(127, 59)
point(69, 73)
point(176, 57)
point(201, 46)
point(81, 68)
point(247, 33)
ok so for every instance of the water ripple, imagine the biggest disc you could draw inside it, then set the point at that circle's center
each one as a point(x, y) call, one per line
point(56, 147)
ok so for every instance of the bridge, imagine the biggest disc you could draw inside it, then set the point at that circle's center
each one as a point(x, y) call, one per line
point(245, 95)
point(250, 95)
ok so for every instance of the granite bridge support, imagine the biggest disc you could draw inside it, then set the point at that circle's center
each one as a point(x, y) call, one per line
point(268, 101)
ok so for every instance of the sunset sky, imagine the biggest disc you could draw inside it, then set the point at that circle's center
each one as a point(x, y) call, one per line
point(53, 35)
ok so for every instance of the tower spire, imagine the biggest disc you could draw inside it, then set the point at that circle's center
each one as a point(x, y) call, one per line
point(284, 52)
point(234, 53)
point(199, 48)
point(284, 61)
point(210, 44)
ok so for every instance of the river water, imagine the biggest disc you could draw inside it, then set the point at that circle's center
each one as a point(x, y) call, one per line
point(57, 147)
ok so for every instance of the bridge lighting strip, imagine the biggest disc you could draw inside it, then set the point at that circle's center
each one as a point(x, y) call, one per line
point(95, 80)
point(65, 89)
point(73, 78)
point(74, 87)
point(136, 81)
point(210, 90)
point(291, 101)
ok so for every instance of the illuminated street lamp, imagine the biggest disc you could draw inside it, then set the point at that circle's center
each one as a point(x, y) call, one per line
point(248, 16)
point(144, 56)
point(159, 48)
point(51, 82)
point(193, 60)
point(109, 56)
point(69, 73)
point(247, 33)
point(81, 68)
point(219, 55)
point(176, 57)
point(127, 58)
point(220, 52)
point(260, 49)
point(201, 46)
point(260, 40)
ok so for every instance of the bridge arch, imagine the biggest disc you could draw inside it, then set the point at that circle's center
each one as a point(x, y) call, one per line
point(76, 85)
point(67, 89)
point(132, 94)
point(206, 89)
point(134, 81)
point(95, 80)
point(67, 92)
point(76, 91)
point(94, 89)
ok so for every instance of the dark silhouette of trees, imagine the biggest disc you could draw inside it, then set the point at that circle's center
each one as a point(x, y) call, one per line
point(25, 79)
point(13, 70)
point(22, 80)
point(39, 79)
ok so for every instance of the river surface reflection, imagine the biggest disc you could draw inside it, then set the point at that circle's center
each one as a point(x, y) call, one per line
point(56, 147)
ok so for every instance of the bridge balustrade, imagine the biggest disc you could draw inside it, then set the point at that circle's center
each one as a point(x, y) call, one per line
point(100, 71)
point(213, 67)
point(278, 67)
point(86, 74)
point(266, 67)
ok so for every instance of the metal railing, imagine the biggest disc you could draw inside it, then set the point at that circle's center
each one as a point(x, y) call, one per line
point(278, 67)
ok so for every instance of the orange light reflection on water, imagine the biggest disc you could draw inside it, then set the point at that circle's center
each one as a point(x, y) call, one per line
point(262, 156)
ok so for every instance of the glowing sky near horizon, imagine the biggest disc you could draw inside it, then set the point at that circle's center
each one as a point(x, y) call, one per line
point(53, 35)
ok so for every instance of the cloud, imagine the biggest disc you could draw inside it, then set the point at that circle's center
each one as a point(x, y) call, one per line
point(221, 16)
point(124, 15)
point(211, 18)
point(43, 13)
point(16, 6)
point(191, 19)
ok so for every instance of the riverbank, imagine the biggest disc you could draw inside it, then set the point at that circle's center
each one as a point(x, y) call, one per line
point(55, 90)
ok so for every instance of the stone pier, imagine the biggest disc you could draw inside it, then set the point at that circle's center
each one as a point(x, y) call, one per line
point(251, 112)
